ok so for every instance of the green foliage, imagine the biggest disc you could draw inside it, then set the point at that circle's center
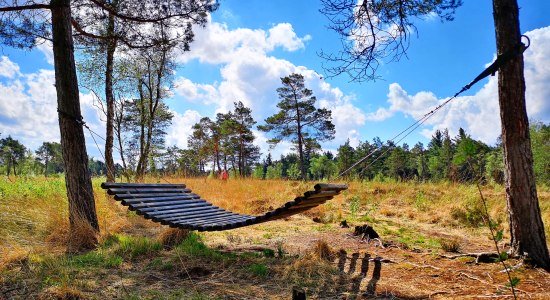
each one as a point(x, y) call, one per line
point(421, 202)
point(514, 282)
point(280, 249)
point(12, 152)
point(293, 171)
point(268, 252)
point(322, 167)
point(345, 158)
point(354, 206)
point(470, 214)
point(258, 172)
point(50, 155)
point(540, 144)
point(259, 270)
point(498, 236)
point(275, 171)
point(494, 166)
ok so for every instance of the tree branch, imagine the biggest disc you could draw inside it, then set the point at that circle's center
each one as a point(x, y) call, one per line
point(115, 13)
point(25, 7)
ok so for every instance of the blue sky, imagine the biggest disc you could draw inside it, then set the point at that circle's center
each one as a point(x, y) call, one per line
point(249, 45)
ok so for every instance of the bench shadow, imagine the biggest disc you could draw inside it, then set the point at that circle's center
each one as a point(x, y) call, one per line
point(359, 268)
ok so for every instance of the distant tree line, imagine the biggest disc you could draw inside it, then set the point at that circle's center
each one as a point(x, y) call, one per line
point(227, 144)
point(456, 159)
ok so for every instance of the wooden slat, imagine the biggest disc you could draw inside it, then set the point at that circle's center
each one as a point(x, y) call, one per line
point(218, 221)
point(223, 219)
point(177, 210)
point(226, 224)
point(138, 196)
point(192, 213)
point(321, 194)
point(330, 187)
point(107, 185)
point(152, 200)
point(205, 209)
point(144, 190)
point(139, 205)
point(170, 207)
point(204, 217)
point(196, 226)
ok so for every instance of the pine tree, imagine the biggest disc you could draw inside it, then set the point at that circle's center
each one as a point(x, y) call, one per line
point(298, 120)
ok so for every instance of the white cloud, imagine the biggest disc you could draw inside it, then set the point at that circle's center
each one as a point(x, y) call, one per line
point(46, 48)
point(8, 68)
point(283, 35)
point(216, 44)
point(251, 75)
point(196, 92)
point(28, 109)
point(478, 114)
point(181, 128)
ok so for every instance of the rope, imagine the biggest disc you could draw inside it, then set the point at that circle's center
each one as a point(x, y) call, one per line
point(501, 60)
point(80, 120)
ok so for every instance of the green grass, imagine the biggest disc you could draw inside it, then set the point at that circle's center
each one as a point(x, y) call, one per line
point(259, 270)
point(64, 270)
point(193, 246)
point(98, 259)
point(133, 247)
point(158, 263)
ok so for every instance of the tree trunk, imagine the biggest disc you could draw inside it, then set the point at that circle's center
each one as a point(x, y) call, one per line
point(110, 101)
point(140, 165)
point(526, 227)
point(46, 167)
point(118, 129)
point(300, 141)
point(82, 212)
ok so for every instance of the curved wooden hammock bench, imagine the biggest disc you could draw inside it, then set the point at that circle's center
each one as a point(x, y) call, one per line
point(176, 206)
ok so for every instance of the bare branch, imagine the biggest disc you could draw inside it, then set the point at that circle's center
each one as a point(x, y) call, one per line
point(374, 32)
point(25, 7)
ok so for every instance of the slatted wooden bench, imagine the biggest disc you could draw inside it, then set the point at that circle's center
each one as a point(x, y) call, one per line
point(176, 206)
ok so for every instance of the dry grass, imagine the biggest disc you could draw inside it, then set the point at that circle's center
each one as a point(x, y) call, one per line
point(171, 237)
point(61, 293)
point(323, 251)
point(427, 217)
point(314, 272)
point(450, 245)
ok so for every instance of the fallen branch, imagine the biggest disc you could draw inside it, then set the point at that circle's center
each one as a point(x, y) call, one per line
point(481, 257)
point(424, 266)
point(512, 267)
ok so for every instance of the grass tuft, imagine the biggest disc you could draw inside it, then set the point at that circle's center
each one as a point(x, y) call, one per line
point(99, 259)
point(450, 245)
point(259, 270)
point(323, 251)
point(193, 246)
point(61, 293)
point(134, 247)
point(171, 237)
